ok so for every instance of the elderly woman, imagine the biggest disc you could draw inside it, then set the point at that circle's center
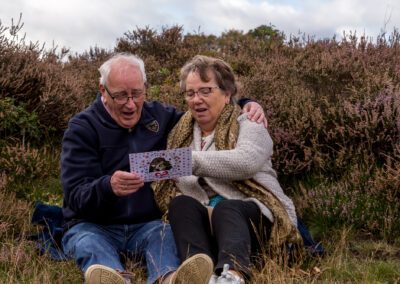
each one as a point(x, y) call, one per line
point(233, 197)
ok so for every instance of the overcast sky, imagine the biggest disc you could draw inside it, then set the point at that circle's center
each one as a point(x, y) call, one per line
point(81, 24)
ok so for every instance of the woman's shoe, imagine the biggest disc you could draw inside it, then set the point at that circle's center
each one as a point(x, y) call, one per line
point(213, 279)
point(228, 277)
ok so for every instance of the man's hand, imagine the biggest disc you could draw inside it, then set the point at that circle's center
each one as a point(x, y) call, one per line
point(124, 183)
point(256, 113)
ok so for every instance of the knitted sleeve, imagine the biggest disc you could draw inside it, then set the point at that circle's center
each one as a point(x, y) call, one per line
point(253, 150)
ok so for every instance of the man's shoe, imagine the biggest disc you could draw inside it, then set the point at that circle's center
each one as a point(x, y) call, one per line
point(194, 270)
point(228, 277)
point(101, 274)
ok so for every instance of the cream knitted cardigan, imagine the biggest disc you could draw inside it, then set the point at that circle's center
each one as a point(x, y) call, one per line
point(251, 158)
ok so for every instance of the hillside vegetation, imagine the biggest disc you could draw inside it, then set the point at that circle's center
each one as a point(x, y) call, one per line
point(333, 108)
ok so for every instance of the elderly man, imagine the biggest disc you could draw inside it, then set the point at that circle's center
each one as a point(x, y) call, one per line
point(110, 213)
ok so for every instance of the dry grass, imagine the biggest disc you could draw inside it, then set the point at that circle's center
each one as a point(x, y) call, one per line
point(351, 259)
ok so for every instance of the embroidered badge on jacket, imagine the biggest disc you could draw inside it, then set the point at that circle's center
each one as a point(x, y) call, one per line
point(153, 126)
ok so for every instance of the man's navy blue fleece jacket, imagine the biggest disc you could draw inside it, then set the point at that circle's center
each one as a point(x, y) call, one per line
point(94, 147)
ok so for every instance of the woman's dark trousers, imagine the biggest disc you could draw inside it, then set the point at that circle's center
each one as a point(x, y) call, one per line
point(234, 239)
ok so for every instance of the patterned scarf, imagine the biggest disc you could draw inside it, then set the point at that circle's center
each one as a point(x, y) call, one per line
point(225, 138)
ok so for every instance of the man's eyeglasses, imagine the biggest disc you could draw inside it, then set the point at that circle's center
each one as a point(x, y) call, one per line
point(202, 92)
point(122, 97)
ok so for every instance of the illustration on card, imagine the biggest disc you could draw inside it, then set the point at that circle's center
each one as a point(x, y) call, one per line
point(160, 165)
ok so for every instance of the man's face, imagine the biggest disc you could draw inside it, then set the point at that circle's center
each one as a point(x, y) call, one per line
point(124, 79)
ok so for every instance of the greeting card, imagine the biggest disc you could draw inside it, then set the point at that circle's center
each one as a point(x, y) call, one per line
point(160, 165)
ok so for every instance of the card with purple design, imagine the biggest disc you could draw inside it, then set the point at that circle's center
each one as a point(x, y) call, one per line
point(160, 165)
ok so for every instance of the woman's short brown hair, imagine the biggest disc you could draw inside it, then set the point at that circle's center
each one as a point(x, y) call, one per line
point(222, 71)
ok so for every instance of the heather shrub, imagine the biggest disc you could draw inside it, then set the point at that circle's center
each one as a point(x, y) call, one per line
point(86, 66)
point(367, 198)
point(165, 52)
point(333, 113)
point(167, 94)
point(308, 88)
point(3, 180)
point(35, 79)
point(332, 106)
point(25, 163)
point(31, 173)
point(16, 121)
point(11, 210)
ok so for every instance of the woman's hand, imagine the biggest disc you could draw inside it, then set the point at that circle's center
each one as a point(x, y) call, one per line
point(256, 113)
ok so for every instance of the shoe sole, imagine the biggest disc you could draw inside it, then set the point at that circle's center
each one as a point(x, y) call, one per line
point(100, 274)
point(195, 270)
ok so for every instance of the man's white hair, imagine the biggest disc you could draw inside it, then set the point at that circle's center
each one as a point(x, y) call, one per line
point(105, 68)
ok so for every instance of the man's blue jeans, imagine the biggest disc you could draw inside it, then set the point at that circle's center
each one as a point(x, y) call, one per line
point(151, 242)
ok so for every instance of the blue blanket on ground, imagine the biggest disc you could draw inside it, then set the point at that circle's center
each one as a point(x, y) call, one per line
point(48, 241)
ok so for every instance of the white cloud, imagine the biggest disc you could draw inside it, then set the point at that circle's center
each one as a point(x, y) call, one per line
point(82, 24)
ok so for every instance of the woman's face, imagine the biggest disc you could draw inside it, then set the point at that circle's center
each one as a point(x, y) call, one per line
point(206, 110)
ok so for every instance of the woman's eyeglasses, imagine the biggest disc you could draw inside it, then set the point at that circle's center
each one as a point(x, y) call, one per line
point(202, 92)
